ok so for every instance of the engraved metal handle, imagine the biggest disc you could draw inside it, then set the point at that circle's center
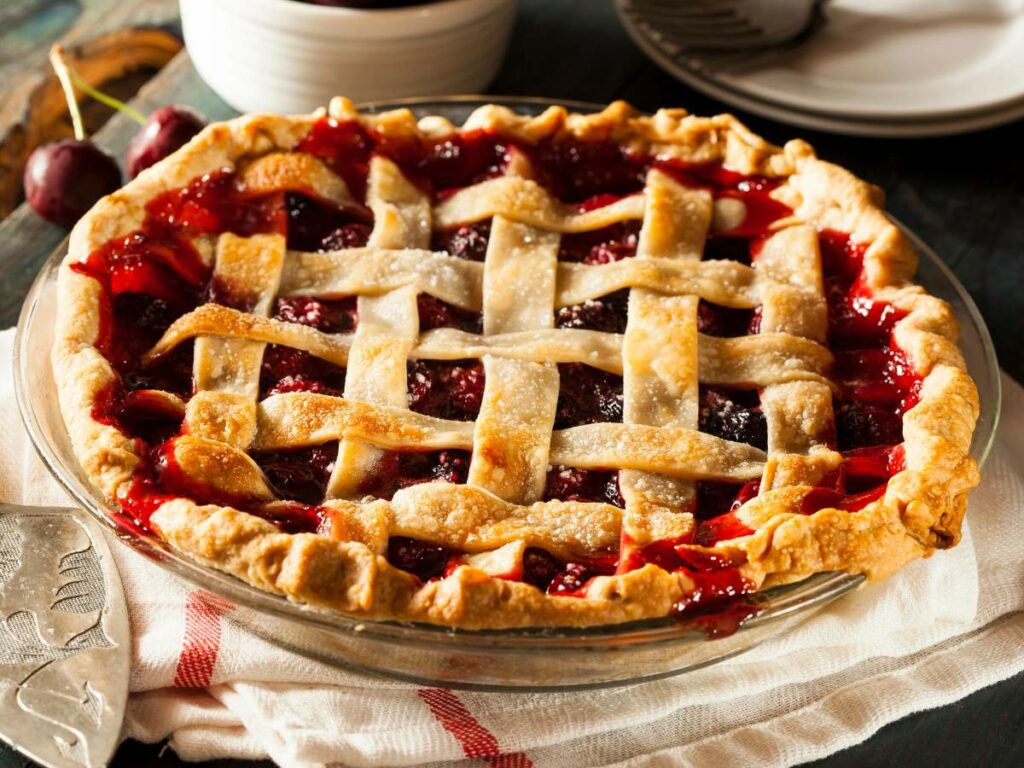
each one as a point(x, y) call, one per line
point(64, 638)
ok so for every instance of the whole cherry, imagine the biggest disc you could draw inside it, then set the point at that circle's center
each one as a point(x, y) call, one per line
point(164, 132)
point(64, 179)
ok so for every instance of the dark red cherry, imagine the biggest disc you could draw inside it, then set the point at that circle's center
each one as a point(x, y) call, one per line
point(64, 179)
point(347, 236)
point(859, 425)
point(574, 484)
point(540, 567)
point(469, 242)
point(420, 558)
point(607, 314)
point(587, 395)
point(572, 579)
point(733, 415)
point(166, 129)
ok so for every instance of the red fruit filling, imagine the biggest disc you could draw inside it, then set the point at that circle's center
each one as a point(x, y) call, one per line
point(716, 511)
point(299, 473)
point(293, 517)
point(438, 165)
point(138, 323)
point(434, 313)
point(607, 314)
point(728, 249)
point(318, 226)
point(422, 559)
point(718, 604)
point(446, 389)
point(601, 246)
point(397, 470)
point(574, 484)
point(345, 146)
point(587, 395)
point(568, 579)
point(734, 415)
point(876, 381)
point(215, 203)
point(856, 320)
point(445, 165)
point(540, 567)
point(716, 320)
point(863, 469)
point(718, 498)
point(144, 414)
point(155, 263)
point(468, 242)
point(762, 210)
point(326, 315)
point(575, 171)
point(293, 370)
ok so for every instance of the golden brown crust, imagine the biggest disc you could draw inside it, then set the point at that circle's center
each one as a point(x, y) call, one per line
point(344, 569)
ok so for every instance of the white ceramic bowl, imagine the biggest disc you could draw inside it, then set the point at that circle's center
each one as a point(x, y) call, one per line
point(290, 57)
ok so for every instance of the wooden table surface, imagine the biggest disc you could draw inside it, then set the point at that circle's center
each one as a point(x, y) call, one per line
point(963, 195)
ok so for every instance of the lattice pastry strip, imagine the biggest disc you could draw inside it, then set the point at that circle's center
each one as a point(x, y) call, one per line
point(661, 384)
point(511, 440)
point(369, 271)
point(372, 271)
point(471, 519)
point(798, 414)
point(388, 323)
point(227, 370)
point(512, 436)
point(278, 172)
point(300, 419)
point(749, 361)
point(528, 202)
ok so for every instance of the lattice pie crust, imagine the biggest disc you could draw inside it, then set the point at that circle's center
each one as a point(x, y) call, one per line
point(498, 513)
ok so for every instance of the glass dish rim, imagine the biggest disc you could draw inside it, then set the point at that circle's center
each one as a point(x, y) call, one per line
point(779, 602)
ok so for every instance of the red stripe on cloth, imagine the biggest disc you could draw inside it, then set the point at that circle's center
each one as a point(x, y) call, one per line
point(476, 741)
point(201, 645)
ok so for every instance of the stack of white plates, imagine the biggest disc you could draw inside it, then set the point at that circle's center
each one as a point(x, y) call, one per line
point(873, 68)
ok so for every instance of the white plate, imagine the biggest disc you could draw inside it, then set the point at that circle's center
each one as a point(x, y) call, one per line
point(913, 60)
point(882, 128)
point(849, 127)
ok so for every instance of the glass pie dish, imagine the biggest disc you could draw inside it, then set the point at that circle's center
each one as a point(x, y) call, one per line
point(507, 659)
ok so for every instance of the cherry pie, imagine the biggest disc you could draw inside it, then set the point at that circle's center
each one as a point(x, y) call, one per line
point(554, 370)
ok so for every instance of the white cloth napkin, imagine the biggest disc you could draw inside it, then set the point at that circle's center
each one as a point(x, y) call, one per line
point(934, 633)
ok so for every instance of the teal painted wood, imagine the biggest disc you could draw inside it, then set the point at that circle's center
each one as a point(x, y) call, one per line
point(28, 27)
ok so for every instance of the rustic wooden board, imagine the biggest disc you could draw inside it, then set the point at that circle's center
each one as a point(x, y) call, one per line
point(113, 44)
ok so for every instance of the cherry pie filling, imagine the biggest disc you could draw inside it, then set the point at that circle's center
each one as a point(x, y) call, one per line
point(154, 275)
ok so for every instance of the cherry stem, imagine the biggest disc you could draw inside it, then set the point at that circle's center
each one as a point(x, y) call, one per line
point(69, 79)
point(110, 101)
point(64, 76)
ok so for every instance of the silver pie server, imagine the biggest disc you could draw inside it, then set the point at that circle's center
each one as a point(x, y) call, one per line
point(64, 638)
